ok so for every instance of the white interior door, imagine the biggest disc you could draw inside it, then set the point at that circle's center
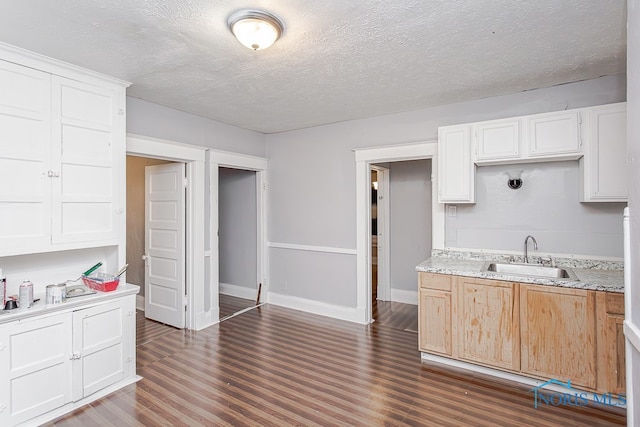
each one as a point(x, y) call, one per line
point(164, 275)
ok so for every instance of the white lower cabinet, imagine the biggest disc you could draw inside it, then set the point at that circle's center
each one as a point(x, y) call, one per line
point(49, 361)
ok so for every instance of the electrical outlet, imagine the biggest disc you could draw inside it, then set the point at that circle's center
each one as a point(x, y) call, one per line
point(452, 210)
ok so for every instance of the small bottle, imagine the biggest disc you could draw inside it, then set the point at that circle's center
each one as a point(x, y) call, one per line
point(3, 288)
point(25, 296)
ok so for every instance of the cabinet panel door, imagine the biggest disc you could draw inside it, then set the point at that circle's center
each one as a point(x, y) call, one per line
point(98, 341)
point(558, 334)
point(456, 171)
point(434, 326)
point(87, 146)
point(606, 172)
point(555, 133)
point(25, 158)
point(36, 366)
point(498, 140)
point(487, 317)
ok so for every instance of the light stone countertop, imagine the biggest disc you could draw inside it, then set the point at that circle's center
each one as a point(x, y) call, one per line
point(591, 279)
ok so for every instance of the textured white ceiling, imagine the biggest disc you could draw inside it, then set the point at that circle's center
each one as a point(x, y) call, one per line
point(337, 60)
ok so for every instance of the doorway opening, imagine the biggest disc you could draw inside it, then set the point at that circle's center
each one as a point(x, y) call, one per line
point(389, 156)
point(401, 216)
point(237, 240)
point(156, 254)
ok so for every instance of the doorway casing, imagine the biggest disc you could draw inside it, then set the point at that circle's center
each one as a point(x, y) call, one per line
point(365, 157)
point(218, 159)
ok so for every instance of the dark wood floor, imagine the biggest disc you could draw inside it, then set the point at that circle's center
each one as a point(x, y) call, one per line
point(230, 305)
point(279, 367)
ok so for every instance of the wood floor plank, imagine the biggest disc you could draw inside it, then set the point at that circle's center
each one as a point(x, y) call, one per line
point(273, 366)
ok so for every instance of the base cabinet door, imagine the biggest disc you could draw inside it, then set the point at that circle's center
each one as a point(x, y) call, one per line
point(35, 367)
point(558, 334)
point(611, 343)
point(99, 349)
point(486, 324)
point(434, 326)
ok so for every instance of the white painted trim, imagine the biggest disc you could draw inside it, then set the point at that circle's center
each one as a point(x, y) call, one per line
point(140, 302)
point(239, 161)
point(194, 157)
point(315, 307)
point(632, 334)
point(499, 374)
point(30, 59)
point(238, 291)
point(226, 159)
point(140, 145)
point(310, 248)
point(364, 158)
point(405, 297)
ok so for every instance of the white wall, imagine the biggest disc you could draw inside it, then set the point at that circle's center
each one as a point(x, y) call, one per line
point(312, 179)
point(633, 139)
point(546, 206)
point(409, 220)
point(238, 222)
point(157, 121)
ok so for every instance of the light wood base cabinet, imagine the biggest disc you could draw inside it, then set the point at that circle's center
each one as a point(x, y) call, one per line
point(611, 342)
point(558, 334)
point(538, 331)
point(434, 313)
point(486, 322)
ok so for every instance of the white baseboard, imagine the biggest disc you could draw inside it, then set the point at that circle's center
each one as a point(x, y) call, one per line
point(315, 307)
point(405, 297)
point(238, 291)
point(140, 302)
point(206, 318)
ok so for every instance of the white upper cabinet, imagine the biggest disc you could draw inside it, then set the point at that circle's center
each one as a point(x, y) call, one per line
point(498, 139)
point(605, 163)
point(456, 171)
point(554, 134)
point(25, 156)
point(527, 139)
point(85, 151)
point(62, 157)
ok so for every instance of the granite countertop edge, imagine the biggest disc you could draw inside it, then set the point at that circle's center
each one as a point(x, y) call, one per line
point(590, 279)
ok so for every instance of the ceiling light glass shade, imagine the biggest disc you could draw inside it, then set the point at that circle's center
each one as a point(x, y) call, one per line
point(255, 29)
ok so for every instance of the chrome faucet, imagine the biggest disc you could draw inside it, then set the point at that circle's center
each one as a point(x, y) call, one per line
point(526, 251)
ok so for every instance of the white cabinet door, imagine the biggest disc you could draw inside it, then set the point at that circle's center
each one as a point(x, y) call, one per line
point(25, 158)
point(554, 134)
point(605, 163)
point(498, 140)
point(35, 363)
point(456, 171)
point(99, 347)
point(86, 152)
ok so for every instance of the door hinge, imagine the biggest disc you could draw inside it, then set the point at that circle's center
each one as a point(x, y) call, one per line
point(185, 182)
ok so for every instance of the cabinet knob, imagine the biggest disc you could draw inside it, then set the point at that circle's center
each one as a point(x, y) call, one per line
point(2, 407)
point(2, 346)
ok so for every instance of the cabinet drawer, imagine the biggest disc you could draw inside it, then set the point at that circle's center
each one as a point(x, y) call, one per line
point(615, 303)
point(435, 281)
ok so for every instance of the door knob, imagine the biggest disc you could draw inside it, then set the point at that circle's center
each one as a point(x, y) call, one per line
point(144, 257)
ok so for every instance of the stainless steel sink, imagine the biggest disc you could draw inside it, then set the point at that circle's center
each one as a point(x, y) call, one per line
point(535, 270)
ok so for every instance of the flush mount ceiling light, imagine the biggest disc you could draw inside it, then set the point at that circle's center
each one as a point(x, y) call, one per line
point(255, 29)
